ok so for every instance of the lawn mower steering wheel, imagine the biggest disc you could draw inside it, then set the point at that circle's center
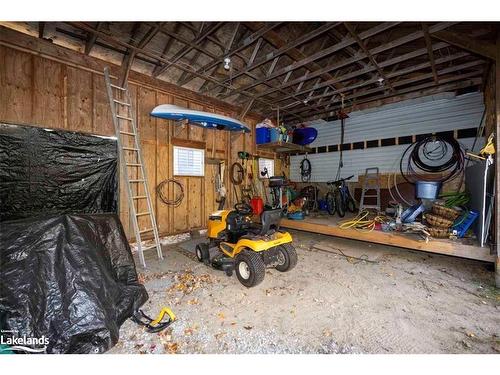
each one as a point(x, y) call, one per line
point(243, 208)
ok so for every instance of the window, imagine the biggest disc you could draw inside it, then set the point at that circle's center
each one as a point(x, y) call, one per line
point(189, 161)
point(268, 164)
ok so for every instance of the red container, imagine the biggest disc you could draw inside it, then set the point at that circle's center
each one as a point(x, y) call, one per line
point(257, 205)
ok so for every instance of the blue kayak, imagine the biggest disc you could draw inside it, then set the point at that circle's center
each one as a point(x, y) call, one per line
point(304, 136)
point(199, 118)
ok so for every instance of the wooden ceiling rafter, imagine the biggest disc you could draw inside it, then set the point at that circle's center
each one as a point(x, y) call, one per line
point(247, 41)
point(421, 77)
point(113, 40)
point(302, 68)
point(311, 59)
point(200, 37)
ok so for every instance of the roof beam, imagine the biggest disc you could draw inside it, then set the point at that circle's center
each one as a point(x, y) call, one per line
point(408, 70)
point(421, 77)
point(91, 39)
point(186, 49)
point(113, 40)
point(130, 55)
point(386, 46)
point(430, 52)
point(282, 46)
point(367, 69)
point(365, 49)
point(309, 61)
point(245, 43)
point(167, 47)
point(400, 95)
point(467, 43)
point(41, 29)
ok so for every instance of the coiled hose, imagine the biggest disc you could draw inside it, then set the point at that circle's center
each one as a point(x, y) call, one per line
point(164, 195)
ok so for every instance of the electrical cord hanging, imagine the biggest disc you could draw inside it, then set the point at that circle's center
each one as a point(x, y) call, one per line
point(305, 169)
point(164, 195)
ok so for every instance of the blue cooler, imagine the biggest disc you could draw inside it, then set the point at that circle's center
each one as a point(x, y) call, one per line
point(262, 135)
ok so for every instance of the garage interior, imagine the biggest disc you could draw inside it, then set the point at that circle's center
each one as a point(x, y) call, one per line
point(123, 143)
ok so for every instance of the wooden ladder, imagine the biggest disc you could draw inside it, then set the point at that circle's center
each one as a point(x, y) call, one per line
point(131, 160)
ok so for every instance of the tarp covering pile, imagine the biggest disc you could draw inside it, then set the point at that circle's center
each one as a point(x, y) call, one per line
point(50, 171)
point(69, 278)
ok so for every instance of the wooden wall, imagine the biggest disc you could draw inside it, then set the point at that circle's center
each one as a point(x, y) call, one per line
point(41, 91)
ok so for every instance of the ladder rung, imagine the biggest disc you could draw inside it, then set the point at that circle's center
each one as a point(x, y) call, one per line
point(371, 206)
point(371, 196)
point(127, 133)
point(149, 247)
point(143, 213)
point(130, 149)
point(133, 165)
point(118, 87)
point(124, 118)
point(146, 230)
point(136, 180)
point(121, 103)
point(139, 197)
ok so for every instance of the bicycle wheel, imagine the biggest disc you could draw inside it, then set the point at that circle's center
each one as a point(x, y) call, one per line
point(351, 204)
point(339, 204)
point(330, 203)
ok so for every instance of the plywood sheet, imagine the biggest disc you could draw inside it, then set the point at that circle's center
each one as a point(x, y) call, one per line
point(16, 91)
point(79, 100)
point(48, 94)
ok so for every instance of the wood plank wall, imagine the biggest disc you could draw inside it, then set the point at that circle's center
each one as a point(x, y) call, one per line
point(42, 92)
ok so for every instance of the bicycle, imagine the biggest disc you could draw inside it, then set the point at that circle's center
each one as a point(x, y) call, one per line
point(339, 199)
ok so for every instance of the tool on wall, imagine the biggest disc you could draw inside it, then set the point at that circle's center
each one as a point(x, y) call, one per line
point(131, 161)
point(219, 185)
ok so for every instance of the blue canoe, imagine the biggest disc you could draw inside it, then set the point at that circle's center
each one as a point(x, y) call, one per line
point(198, 118)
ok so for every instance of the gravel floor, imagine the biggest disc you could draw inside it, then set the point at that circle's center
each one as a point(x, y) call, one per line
point(391, 301)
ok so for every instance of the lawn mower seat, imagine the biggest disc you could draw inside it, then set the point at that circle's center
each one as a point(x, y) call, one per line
point(270, 220)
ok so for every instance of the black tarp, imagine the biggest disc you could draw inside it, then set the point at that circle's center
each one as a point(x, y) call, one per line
point(70, 278)
point(50, 171)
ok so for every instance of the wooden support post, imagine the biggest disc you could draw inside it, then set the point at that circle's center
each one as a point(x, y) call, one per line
point(497, 163)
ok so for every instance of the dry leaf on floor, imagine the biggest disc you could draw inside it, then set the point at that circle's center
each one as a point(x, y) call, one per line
point(171, 347)
point(221, 315)
point(248, 327)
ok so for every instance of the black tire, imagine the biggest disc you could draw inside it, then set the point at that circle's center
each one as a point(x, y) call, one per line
point(254, 266)
point(290, 254)
point(338, 203)
point(202, 253)
point(351, 205)
point(330, 203)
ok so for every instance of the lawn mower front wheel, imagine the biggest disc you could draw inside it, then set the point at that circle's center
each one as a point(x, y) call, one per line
point(250, 268)
point(202, 253)
point(288, 256)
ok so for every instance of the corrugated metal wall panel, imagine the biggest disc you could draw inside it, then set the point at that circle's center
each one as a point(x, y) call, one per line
point(324, 165)
point(433, 116)
point(416, 117)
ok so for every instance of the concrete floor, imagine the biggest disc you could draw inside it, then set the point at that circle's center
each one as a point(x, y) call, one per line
point(395, 301)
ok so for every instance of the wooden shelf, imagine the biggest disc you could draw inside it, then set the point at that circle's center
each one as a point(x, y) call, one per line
point(329, 226)
point(283, 147)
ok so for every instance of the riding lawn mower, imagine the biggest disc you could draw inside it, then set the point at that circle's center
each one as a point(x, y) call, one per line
point(236, 243)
